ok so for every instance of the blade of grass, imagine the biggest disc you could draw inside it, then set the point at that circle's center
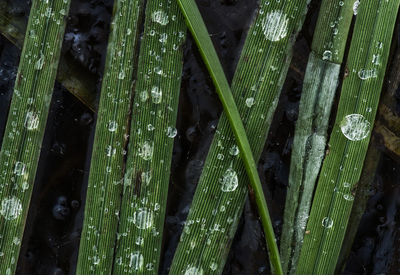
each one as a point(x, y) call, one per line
point(349, 140)
point(200, 34)
point(72, 76)
point(372, 159)
point(26, 122)
point(103, 197)
point(210, 226)
point(320, 83)
point(151, 142)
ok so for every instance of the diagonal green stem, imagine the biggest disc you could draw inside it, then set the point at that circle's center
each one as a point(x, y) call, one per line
point(198, 29)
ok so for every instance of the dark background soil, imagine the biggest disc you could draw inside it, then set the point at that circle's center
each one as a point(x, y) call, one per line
point(51, 238)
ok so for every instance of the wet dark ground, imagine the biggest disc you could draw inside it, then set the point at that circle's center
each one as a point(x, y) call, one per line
point(54, 222)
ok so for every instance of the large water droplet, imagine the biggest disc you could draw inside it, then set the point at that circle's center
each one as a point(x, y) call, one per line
point(194, 271)
point(355, 127)
point(327, 222)
point(143, 218)
point(31, 121)
point(146, 150)
point(275, 25)
point(160, 17)
point(229, 180)
point(11, 208)
point(19, 168)
point(156, 95)
point(136, 261)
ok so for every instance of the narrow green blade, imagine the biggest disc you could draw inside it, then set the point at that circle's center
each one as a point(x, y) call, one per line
point(103, 199)
point(151, 141)
point(26, 122)
point(350, 136)
point(210, 227)
point(320, 83)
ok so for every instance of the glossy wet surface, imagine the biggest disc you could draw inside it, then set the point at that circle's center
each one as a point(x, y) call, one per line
point(51, 238)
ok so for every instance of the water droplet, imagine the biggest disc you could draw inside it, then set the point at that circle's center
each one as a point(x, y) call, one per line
point(143, 218)
point(25, 186)
point(348, 197)
point(275, 25)
point(136, 261)
point(11, 208)
point(376, 59)
point(31, 121)
point(355, 7)
point(355, 127)
point(139, 241)
point(365, 74)
point(229, 180)
point(156, 94)
point(146, 177)
point(234, 150)
point(146, 150)
point(40, 62)
point(121, 75)
point(150, 127)
point(160, 17)
point(144, 96)
point(194, 271)
point(327, 55)
point(250, 102)
point(19, 168)
point(213, 266)
point(112, 126)
point(327, 222)
point(172, 132)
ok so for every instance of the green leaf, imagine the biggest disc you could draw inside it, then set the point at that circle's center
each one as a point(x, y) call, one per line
point(350, 136)
point(210, 226)
point(103, 199)
point(319, 87)
point(26, 122)
point(152, 133)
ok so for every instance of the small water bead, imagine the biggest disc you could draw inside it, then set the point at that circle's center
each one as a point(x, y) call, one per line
point(213, 266)
point(275, 25)
point(11, 208)
point(121, 75)
point(234, 150)
point(136, 261)
point(25, 186)
point(39, 63)
point(143, 218)
point(146, 150)
point(171, 132)
point(341, 3)
point(19, 168)
point(355, 7)
point(144, 95)
point(250, 102)
point(229, 180)
point(376, 59)
point(163, 38)
point(146, 177)
point(365, 74)
point(327, 222)
point(150, 127)
point(194, 271)
point(112, 126)
point(139, 241)
point(348, 197)
point(31, 121)
point(156, 95)
point(327, 55)
point(355, 127)
point(160, 17)
point(220, 156)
